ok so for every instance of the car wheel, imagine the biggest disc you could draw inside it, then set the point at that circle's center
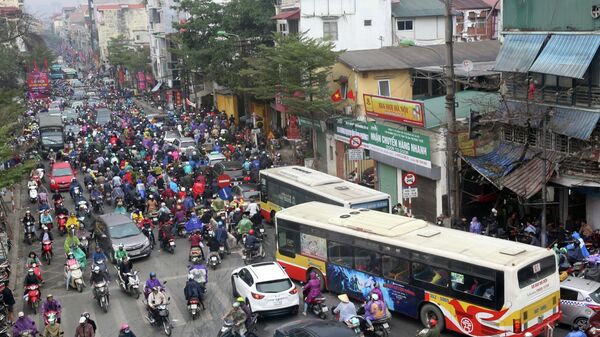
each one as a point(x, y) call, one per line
point(233, 289)
point(581, 322)
point(429, 311)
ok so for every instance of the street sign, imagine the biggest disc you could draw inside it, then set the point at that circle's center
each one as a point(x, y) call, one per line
point(356, 154)
point(410, 179)
point(410, 193)
point(223, 180)
point(255, 131)
point(355, 142)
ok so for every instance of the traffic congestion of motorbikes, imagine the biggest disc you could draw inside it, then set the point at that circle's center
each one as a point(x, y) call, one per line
point(170, 193)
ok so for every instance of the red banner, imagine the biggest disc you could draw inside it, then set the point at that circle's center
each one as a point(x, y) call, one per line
point(121, 76)
point(38, 81)
point(168, 95)
point(141, 80)
point(150, 79)
point(178, 97)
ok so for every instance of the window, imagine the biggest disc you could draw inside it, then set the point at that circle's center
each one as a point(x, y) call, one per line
point(340, 253)
point(395, 268)
point(344, 90)
point(282, 27)
point(367, 23)
point(245, 276)
point(272, 287)
point(313, 246)
point(330, 30)
point(473, 285)
point(367, 260)
point(568, 294)
point(289, 240)
point(404, 24)
point(434, 275)
point(384, 88)
point(536, 271)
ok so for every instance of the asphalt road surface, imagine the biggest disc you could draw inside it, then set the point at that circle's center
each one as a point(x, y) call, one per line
point(171, 268)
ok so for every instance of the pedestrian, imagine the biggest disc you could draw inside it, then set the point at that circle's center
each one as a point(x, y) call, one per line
point(7, 300)
point(475, 226)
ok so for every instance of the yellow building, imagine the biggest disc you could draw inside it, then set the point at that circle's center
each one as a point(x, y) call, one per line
point(129, 20)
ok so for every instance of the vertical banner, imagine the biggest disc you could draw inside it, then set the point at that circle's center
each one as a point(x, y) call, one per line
point(141, 80)
point(168, 95)
point(178, 97)
point(121, 76)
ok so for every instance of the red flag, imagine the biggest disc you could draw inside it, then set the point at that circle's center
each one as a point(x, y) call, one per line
point(337, 96)
point(121, 76)
point(35, 68)
point(350, 95)
point(46, 64)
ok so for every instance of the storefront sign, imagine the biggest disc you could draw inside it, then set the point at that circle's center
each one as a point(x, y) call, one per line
point(404, 145)
point(346, 128)
point(394, 109)
point(465, 145)
point(309, 123)
point(410, 193)
point(356, 154)
point(141, 80)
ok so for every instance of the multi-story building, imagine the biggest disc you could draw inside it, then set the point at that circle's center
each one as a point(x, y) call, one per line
point(475, 20)
point(121, 18)
point(551, 84)
point(78, 29)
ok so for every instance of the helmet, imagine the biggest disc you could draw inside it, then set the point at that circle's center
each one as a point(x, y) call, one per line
point(85, 314)
point(124, 326)
point(71, 256)
point(152, 274)
point(20, 314)
point(154, 288)
point(51, 318)
point(251, 232)
point(49, 296)
point(44, 228)
point(96, 269)
point(27, 212)
point(375, 297)
point(190, 276)
point(121, 246)
point(236, 304)
point(30, 271)
point(82, 320)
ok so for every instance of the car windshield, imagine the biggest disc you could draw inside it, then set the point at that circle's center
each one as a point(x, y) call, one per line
point(61, 172)
point(187, 143)
point(123, 230)
point(595, 295)
point(232, 165)
point(276, 286)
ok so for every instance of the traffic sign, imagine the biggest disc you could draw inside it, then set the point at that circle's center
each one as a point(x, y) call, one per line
point(410, 193)
point(410, 179)
point(223, 180)
point(355, 142)
point(356, 154)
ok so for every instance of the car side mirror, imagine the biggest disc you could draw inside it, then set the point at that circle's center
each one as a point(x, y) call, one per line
point(235, 275)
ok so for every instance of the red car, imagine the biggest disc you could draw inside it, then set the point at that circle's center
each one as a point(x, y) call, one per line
point(60, 176)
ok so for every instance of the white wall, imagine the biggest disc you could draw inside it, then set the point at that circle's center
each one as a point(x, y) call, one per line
point(592, 210)
point(426, 30)
point(350, 16)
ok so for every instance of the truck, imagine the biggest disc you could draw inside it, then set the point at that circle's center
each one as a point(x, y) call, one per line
point(51, 133)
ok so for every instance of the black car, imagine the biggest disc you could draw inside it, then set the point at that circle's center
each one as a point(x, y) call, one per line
point(314, 328)
point(231, 168)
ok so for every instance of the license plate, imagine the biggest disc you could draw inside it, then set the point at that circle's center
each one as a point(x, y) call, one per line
point(262, 230)
point(385, 326)
point(172, 243)
point(325, 309)
point(194, 306)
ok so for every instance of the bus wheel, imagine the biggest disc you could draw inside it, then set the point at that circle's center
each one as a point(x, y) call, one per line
point(319, 276)
point(272, 218)
point(429, 311)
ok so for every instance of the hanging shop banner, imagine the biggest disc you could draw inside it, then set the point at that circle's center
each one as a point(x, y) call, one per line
point(38, 81)
point(141, 80)
point(309, 123)
point(396, 110)
point(346, 128)
point(408, 146)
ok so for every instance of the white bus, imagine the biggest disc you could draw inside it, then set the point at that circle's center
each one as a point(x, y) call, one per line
point(286, 186)
point(472, 284)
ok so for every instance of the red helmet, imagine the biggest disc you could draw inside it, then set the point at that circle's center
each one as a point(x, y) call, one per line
point(251, 232)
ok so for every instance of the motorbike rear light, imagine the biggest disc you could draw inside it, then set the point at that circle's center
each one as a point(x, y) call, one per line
point(516, 325)
point(257, 296)
point(294, 291)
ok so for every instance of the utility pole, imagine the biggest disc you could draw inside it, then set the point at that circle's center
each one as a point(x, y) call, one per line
point(543, 236)
point(91, 15)
point(451, 148)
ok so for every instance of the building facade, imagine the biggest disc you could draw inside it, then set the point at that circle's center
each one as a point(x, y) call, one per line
point(115, 19)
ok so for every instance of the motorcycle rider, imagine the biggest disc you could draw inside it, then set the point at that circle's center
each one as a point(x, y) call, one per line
point(7, 300)
point(89, 320)
point(46, 218)
point(53, 328)
point(247, 310)
point(97, 277)
point(238, 316)
point(221, 235)
point(71, 241)
point(345, 309)
point(28, 218)
point(252, 208)
point(24, 323)
point(125, 331)
point(194, 289)
point(52, 305)
point(30, 279)
point(244, 226)
point(213, 248)
point(193, 224)
point(72, 222)
point(84, 329)
point(46, 235)
point(155, 298)
point(151, 282)
point(312, 290)
point(120, 253)
point(375, 309)
point(253, 243)
point(99, 256)
point(125, 267)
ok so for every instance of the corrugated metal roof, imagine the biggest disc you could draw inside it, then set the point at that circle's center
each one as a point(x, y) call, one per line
point(526, 180)
point(397, 58)
point(500, 162)
point(574, 123)
point(567, 55)
point(411, 8)
point(518, 52)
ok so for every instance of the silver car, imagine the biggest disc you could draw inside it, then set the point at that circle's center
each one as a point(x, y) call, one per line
point(114, 229)
point(579, 298)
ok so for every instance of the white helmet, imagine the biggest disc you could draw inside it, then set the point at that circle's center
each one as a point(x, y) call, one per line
point(375, 297)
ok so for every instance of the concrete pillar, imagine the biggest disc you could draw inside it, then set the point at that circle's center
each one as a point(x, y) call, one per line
point(592, 210)
point(563, 204)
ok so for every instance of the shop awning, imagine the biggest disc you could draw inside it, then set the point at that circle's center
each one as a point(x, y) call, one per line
point(157, 87)
point(528, 179)
point(293, 14)
point(574, 123)
point(567, 55)
point(518, 52)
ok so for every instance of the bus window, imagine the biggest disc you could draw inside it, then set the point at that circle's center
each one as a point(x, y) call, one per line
point(264, 195)
point(367, 261)
point(289, 241)
point(429, 274)
point(473, 285)
point(339, 253)
point(536, 271)
point(395, 268)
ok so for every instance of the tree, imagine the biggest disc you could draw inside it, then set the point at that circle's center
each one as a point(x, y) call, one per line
point(297, 69)
point(131, 58)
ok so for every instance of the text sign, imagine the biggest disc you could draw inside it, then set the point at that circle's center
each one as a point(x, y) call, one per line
point(394, 109)
point(223, 180)
point(356, 154)
point(410, 193)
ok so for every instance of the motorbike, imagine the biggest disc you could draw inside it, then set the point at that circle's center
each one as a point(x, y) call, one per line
point(251, 254)
point(29, 234)
point(213, 262)
point(228, 328)
point(133, 285)
point(49, 313)
point(33, 297)
point(181, 232)
point(196, 252)
point(84, 243)
point(47, 251)
point(168, 243)
point(33, 193)
point(102, 296)
point(147, 230)
point(221, 251)
point(193, 307)
point(61, 223)
point(164, 320)
point(381, 327)
point(318, 307)
point(98, 205)
point(58, 203)
point(76, 277)
point(37, 271)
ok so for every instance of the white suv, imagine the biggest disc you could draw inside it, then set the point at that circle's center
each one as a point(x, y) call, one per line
point(267, 289)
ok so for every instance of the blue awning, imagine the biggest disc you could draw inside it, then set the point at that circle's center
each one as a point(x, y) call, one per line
point(518, 52)
point(574, 123)
point(500, 162)
point(157, 87)
point(567, 55)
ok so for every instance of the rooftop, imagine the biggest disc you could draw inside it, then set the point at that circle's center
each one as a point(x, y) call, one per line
point(401, 58)
point(481, 101)
point(470, 4)
point(411, 8)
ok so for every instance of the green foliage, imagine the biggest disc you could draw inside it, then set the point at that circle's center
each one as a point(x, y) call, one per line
point(10, 69)
point(120, 53)
point(296, 68)
point(16, 174)
point(247, 24)
point(11, 109)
